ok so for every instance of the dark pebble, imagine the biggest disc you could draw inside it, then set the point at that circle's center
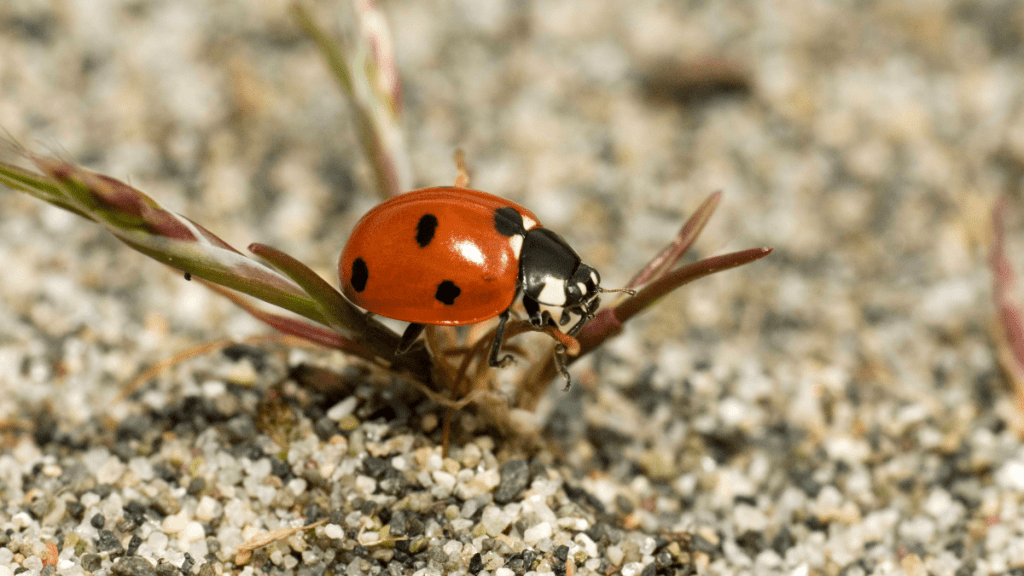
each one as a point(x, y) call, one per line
point(256, 356)
point(325, 428)
point(584, 498)
point(45, 428)
point(124, 450)
point(399, 523)
point(700, 544)
point(207, 569)
point(76, 510)
point(515, 477)
point(782, 541)
point(187, 564)
point(804, 480)
point(97, 521)
point(375, 467)
point(530, 558)
point(107, 542)
point(337, 517)
point(167, 474)
point(414, 526)
point(623, 504)
point(752, 542)
point(196, 486)
point(133, 566)
point(562, 553)
point(165, 568)
point(91, 562)
point(368, 508)
point(476, 563)
point(133, 545)
point(102, 490)
point(241, 428)
point(134, 427)
point(393, 483)
point(313, 512)
point(815, 524)
point(516, 563)
point(280, 469)
point(664, 559)
point(135, 511)
point(649, 570)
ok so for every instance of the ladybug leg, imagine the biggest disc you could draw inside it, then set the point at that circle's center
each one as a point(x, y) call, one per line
point(412, 332)
point(533, 311)
point(588, 314)
point(499, 336)
point(560, 362)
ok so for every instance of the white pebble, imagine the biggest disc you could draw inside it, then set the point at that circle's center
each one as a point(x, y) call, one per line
point(749, 519)
point(297, 486)
point(632, 569)
point(110, 471)
point(1011, 476)
point(192, 532)
point(615, 555)
point(214, 388)
point(175, 523)
point(208, 509)
point(157, 541)
point(537, 533)
point(366, 485)
point(443, 479)
point(21, 520)
point(334, 531)
point(494, 520)
point(587, 544)
point(342, 409)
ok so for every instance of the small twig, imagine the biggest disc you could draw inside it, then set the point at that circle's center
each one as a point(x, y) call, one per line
point(245, 549)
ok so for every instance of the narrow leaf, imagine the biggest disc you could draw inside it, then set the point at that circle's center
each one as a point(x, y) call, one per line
point(685, 238)
point(369, 78)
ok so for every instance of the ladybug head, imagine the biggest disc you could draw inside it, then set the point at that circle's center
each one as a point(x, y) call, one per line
point(584, 284)
point(558, 288)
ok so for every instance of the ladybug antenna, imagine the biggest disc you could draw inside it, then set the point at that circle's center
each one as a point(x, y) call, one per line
point(626, 290)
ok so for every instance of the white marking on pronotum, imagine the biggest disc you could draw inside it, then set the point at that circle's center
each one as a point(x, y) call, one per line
point(529, 223)
point(553, 292)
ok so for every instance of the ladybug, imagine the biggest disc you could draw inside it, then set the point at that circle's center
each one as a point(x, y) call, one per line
point(454, 256)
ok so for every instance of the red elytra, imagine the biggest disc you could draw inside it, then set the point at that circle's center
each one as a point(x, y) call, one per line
point(435, 256)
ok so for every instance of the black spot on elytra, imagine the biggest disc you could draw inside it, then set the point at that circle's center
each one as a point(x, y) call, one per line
point(360, 274)
point(425, 229)
point(447, 292)
point(508, 222)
